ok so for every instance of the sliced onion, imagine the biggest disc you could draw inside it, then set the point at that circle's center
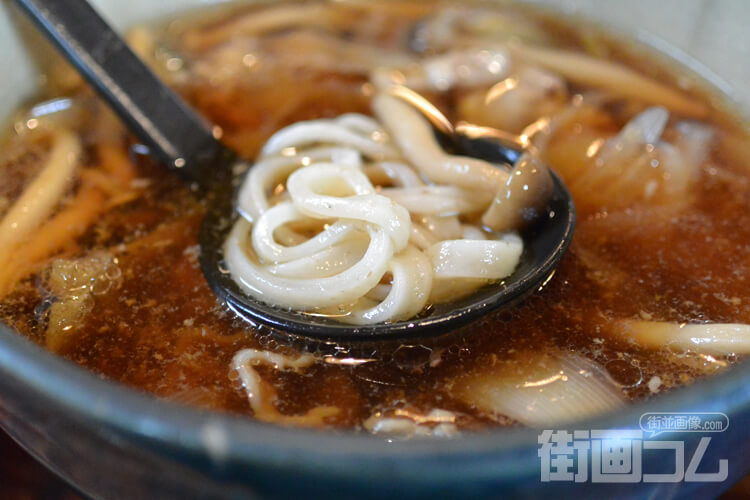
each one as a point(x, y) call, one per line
point(539, 389)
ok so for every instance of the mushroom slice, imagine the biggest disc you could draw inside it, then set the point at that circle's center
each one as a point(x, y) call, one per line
point(523, 198)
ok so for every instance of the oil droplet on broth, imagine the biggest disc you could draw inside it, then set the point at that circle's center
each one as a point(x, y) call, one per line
point(624, 372)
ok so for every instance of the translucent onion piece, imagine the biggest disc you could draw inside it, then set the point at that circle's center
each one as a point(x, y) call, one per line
point(74, 283)
point(614, 157)
point(539, 389)
point(638, 165)
point(694, 139)
point(448, 27)
point(486, 259)
point(715, 339)
point(648, 126)
point(458, 68)
point(693, 144)
point(465, 69)
point(512, 104)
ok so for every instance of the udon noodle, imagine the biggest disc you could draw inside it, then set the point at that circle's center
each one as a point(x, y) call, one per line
point(372, 257)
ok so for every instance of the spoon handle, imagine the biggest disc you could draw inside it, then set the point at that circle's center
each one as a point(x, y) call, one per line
point(174, 133)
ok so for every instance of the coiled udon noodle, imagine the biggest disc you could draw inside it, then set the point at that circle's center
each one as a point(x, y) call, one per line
point(365, 219)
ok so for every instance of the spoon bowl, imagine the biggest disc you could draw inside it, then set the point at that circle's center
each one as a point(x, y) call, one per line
point(179, 138)
point(545, 242)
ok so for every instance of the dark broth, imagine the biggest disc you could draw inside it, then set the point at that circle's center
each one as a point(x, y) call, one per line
point(159, 328)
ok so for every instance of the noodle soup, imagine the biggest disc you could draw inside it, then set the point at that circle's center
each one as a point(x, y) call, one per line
point(98, 254)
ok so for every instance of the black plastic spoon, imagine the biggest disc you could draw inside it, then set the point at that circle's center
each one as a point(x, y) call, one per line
point(176, 136)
